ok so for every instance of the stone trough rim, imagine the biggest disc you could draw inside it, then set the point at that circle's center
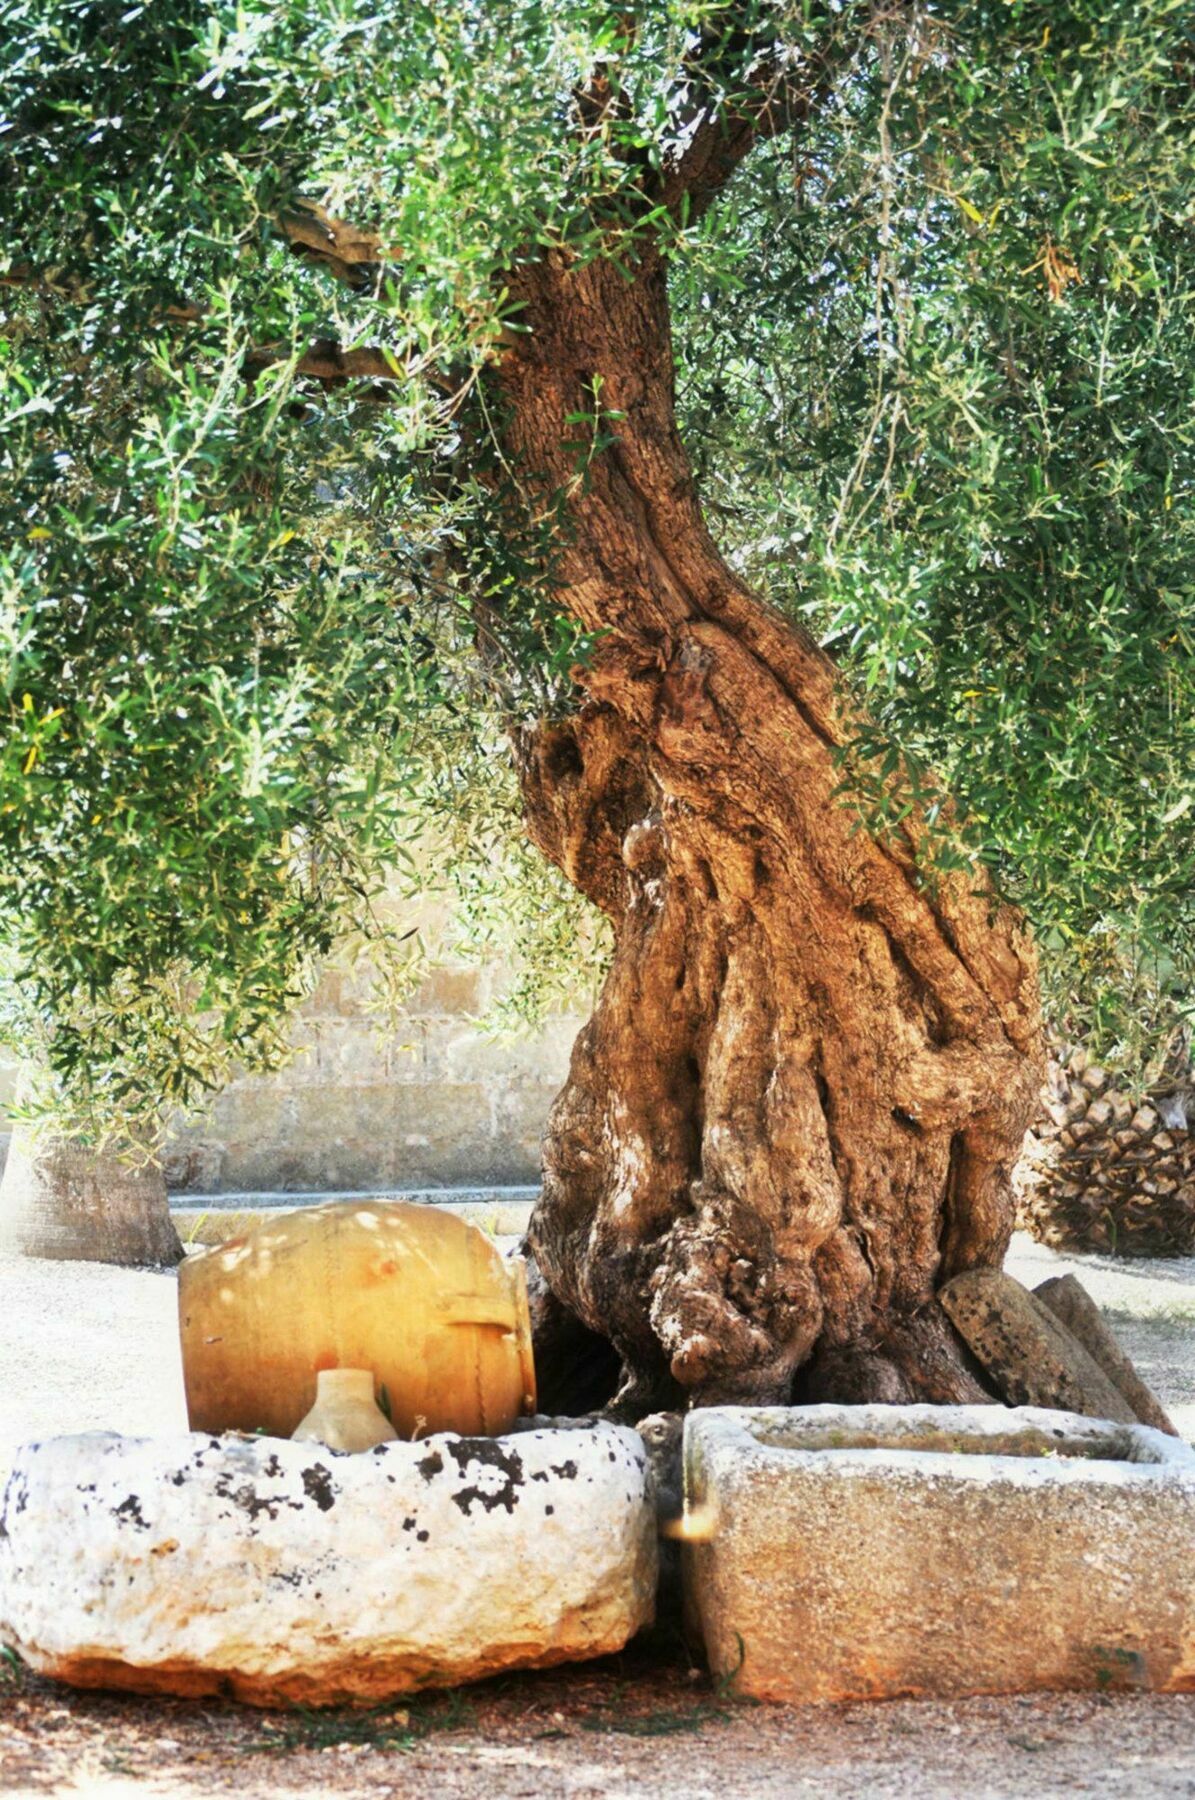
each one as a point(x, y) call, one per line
point(732, 1427)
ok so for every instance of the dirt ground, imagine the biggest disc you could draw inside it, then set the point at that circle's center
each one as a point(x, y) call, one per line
point(627, 1728)
point(84, 1347)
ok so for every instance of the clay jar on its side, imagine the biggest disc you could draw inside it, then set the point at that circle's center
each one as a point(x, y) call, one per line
point(345, 1415)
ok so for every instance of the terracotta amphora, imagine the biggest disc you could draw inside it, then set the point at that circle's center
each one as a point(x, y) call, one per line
point(414, 1293)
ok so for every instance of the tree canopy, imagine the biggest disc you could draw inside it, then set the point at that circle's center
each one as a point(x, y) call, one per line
point(270, 596)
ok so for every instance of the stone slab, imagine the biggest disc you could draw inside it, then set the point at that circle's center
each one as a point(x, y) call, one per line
point(283, 1573)
point(869, 1552)
point(1031, 1357)
point(1069, 1301)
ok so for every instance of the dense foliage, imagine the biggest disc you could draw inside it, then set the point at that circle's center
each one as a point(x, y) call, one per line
point(952, 418)
point(260, 631)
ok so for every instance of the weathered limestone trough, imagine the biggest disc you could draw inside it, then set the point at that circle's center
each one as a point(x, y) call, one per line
point(282, 1572)
point(861, 1552)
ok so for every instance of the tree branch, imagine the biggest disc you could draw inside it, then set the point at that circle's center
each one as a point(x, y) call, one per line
point(354, 257)
point(326, 361)
point(782, 89)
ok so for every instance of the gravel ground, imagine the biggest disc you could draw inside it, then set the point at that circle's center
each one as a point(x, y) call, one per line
point(625, 1729)
point(83, 1347)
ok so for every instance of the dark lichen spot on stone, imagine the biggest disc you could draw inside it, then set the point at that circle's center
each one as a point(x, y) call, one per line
point(179, 1476)
point(422, 1536)
point(431, 1465)
point(130, 1508)
point(540, 1475)
point(272, 1466)
point(409, 1523)
point(489, 1452)
point(16, 1496)
point(317, 1484)
point(567, 1471)
point(549, 1510)
point(248, 1499)
point(491, 1455)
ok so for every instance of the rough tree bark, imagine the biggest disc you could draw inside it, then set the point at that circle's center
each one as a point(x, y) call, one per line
point(796, 1109)
point(70, 1203)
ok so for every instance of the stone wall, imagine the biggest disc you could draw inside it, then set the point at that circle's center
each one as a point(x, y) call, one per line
point(437, 1102)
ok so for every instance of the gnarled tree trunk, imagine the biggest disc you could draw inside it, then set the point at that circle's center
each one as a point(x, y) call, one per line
point(796, 1109)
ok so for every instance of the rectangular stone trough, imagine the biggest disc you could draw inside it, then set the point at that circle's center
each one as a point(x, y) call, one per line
point(868, 1552)
point(285, 1573)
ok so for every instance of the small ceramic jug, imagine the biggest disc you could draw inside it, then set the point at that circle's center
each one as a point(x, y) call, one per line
point(345, 1415)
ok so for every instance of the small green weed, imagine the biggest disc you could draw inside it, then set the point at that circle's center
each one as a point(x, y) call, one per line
point(725, 1684)
point(616, 1714)
point(392, 1726)
point(1118, 1667)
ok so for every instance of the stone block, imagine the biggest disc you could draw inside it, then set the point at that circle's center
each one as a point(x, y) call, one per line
point(352, 1051)
point(284, 1573)
point(1069, 1301)
point(299, 1167)
point(455, 1113)
point(520, 1116)
point(192, 1165)
point(1032, 1358)
point(841, 1553)
point(448, 990)
point(475, 1055)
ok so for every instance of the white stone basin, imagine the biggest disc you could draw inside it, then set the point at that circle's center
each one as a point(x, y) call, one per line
point(855, 1552)
point(282, 1572)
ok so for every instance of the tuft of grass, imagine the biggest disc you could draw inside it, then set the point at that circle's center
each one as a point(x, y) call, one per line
point(390, 1726)
point(213, 1227)
point(12, 1670)
point(725, 1684)
point(192, 1240)
point(616, 1715)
